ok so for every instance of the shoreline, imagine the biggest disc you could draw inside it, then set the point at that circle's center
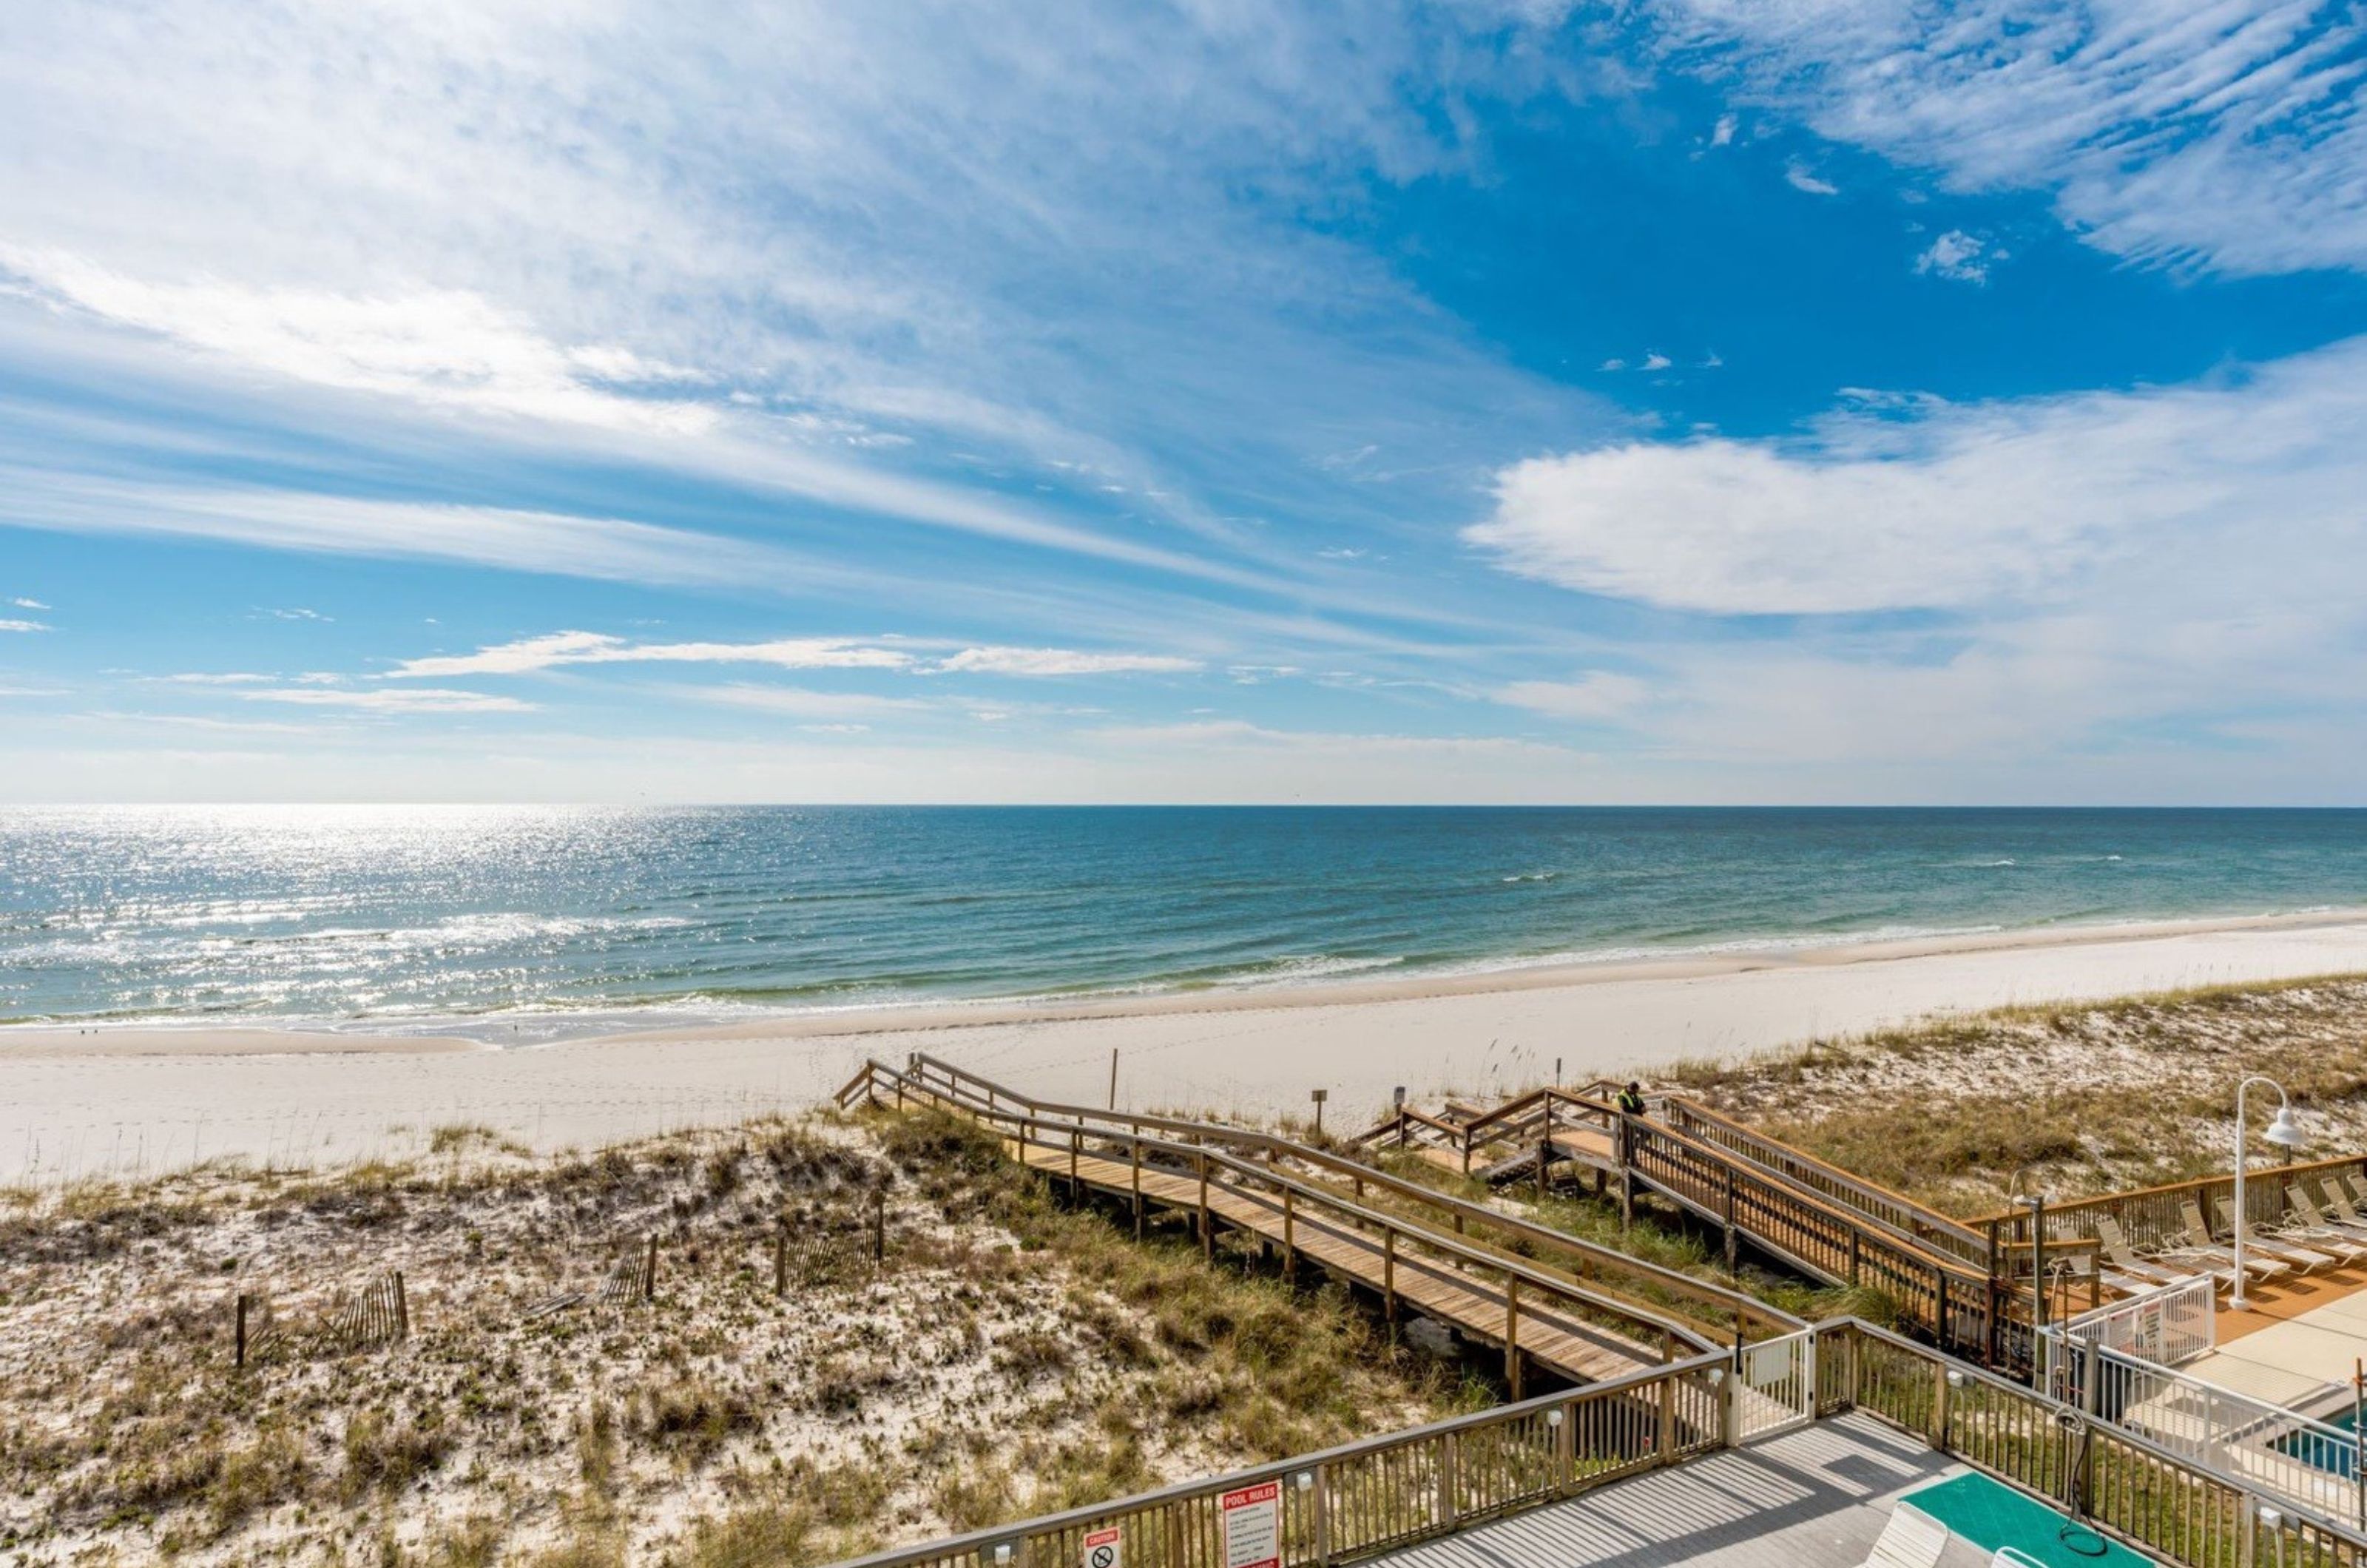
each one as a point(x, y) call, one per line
point(144, 1106)
point(248, 1037)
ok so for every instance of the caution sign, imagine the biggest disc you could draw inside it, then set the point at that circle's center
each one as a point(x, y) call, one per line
point(1105, 1548)
point(1254, 1526)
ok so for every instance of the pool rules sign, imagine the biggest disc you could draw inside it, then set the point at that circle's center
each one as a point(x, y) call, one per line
point(1105, 1548)
point(1254, 1526)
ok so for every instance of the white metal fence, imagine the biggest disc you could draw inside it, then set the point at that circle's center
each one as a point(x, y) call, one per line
point(1777, 1387)
point(2169, 1327)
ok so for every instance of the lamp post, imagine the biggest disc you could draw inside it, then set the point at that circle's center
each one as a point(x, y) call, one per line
point(2285, 1133)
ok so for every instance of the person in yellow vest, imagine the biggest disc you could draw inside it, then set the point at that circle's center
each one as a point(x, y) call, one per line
point(1631, 1099)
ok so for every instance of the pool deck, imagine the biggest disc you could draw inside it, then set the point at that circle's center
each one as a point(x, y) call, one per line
point(2294, 1337)
point(1814, 1498)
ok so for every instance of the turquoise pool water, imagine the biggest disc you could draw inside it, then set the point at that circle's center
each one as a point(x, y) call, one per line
point(1991, 1515)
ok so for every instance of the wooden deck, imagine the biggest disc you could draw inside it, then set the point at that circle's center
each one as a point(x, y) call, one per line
point(1559, 1341)
point(1815, 1498)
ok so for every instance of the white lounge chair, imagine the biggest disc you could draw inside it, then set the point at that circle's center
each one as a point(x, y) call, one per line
point(1912, 1539)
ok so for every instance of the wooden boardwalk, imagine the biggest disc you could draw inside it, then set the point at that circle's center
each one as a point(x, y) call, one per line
point(1550, 1335)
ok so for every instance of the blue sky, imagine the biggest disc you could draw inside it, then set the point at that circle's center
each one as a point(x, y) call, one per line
point(1689, 400)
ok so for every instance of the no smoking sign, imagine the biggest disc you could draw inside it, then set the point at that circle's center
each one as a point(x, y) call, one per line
point(1105, 1548)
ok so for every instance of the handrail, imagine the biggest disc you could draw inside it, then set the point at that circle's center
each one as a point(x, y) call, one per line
point(1743, 1307)
point(1567, 1288)
point(1902, 1211)
point(2151, 1215)
point(1876, 1205)
point(978, 1544)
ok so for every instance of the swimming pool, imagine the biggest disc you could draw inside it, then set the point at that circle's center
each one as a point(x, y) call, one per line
point(2321, 1449)
point(1992, 1514)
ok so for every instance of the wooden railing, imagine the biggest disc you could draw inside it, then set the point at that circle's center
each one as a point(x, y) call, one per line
point(1962, 1308)
point(1529, 1290)
point(1377, 1494)
point(1901, 1214)
point(1370, 1495)
point(1729, 1310)
point(2154, 1217)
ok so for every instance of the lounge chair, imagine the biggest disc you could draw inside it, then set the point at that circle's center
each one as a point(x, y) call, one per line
point(2014, 1557)
point(2337, 1193)
point(2269, 1239)
point(2354, 1183)
point(1912, 1539)
point(2114, 1243)
point(2317, 1228)
point(2259, 1262)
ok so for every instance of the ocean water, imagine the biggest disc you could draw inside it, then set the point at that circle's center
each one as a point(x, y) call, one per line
point(523, 921)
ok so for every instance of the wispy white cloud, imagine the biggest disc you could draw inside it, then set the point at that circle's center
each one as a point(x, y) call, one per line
point(557, 648)
point(1056, 662)
point(2224, 131)
point(446, 347)
point(798, 702)
point(389, 699)
point(21, 625)
point(1599, 695)
point(1964, 258)
point(28, 603)
point(1656, 362)
point(1799, 176)
point(507, 538)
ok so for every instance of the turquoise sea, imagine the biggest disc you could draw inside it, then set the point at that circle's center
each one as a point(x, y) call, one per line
point(530, 920)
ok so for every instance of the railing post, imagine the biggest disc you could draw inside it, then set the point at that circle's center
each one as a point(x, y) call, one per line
point(1389, 1278)
point(1076, 1139)
point(1136, 1150)
point(1938, 1433)
point(1666, 1446)
point(1174, 1536)
point(1566, 1450)
point(2248, 1530)
point(1322, 1520)
point(1207, 1223)
point(1447, 1511)
point(1730, 1221)
point(1289, 1238)
point(1512, 1335)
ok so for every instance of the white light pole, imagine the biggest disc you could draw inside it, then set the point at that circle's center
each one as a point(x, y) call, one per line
point(2282, 1132)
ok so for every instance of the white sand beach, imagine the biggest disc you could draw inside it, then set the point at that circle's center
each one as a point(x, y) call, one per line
point(127, 1100)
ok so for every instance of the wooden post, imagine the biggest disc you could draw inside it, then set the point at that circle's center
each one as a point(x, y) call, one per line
point(1322, 1520)
point(1113, 1104)
point(1136, 1150)
point(1730, 1223)
point(1289, 1238)
point(1942, 1329)
point(1512, 1335)
point(1668, 1433)
point(650, 1270)
point(1319, 1096)
point(1853, 1256)
point(1207, 1223)
point(238, 1354)
point(1447, 1509)
point(1940, 1406)
point(781, 1258)
point(1626, 1198)
point(401, 1309)
point(1389, 1278)
point(1076, 1138)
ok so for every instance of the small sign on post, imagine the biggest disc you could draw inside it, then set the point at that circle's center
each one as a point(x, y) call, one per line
point(1105, 1548)
point(1252, 1526)
point(1319, 1096)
